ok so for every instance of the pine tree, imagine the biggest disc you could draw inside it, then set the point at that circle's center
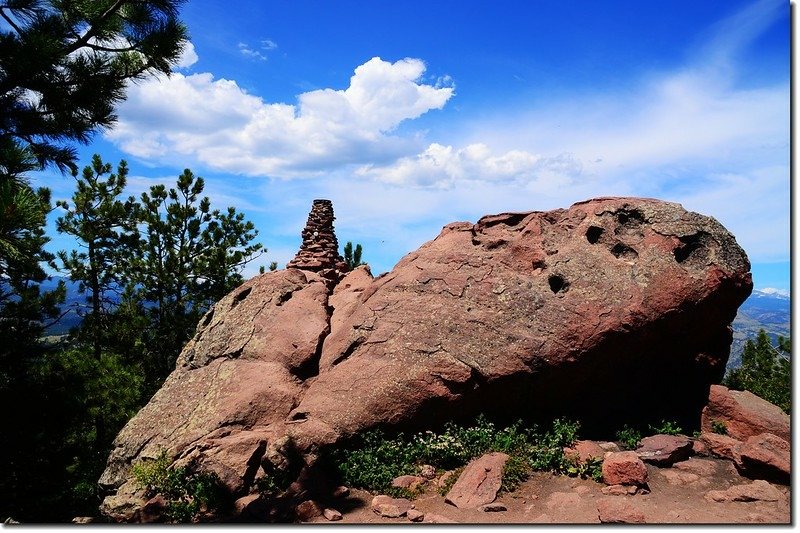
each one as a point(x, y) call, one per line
point(64, 66)
point(190, 256)
point(352, 257)
point(765, 370)
point(104, 226)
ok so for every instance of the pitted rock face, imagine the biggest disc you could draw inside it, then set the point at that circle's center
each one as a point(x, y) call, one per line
point(614, 310)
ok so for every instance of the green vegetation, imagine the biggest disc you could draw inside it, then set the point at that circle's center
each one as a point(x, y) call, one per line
point(719, 427)
point(373, 460)
point(64, 67)
point(666, 428)
point(187, 494)
point(629, 437)
point(765, 370)
point(352, 257)
point(149, 270)
point(77, 57)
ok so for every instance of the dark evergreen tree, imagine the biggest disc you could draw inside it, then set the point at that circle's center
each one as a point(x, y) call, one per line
point(189, 257)
point(765, 370)
point(352, 257)
point(105, 228)
point(64, 65)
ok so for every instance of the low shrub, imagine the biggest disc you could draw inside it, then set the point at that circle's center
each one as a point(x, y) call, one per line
point(666, 428)
point(629, 437)
point(187, 493)
point(719, 427)
point(373, 460)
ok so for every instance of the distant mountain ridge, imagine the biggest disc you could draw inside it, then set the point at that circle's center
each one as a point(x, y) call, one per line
point(768, 309)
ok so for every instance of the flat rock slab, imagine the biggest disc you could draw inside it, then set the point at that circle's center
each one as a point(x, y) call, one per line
point(479, 482)
point(758, 490)
point(619, 511)
point(695, 465)
point(389, 507)
point(414, 515)
point(664, 450)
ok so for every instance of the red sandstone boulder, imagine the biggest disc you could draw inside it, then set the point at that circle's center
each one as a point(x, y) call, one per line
point(479, 482)
point(583, 450)
point(307, 510)
point(765, 456)
point(509, 316)
point(720, 445)
point(664, 450)
point(624, 468)
point(744, 414)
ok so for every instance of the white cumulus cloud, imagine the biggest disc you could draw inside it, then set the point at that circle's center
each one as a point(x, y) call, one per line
point(219, 124)
point(444, 167)
point(188, 56)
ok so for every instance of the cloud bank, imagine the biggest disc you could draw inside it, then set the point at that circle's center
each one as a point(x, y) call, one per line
point(222, 126)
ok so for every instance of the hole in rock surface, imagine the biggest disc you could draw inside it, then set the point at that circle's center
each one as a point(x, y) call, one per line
point(624, 252)
point(557, 284)
point(691, 246)
point(593, 234)
point(241, 296)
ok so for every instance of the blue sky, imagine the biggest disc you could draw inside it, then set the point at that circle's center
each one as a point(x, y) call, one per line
point(410, 115)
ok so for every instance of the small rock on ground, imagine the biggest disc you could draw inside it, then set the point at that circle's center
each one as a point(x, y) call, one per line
point(617, 511)
point(438, 519)
point(619, 490)
point(332, 515)
point(307, 510)
point(493, 508)
point(415, 515)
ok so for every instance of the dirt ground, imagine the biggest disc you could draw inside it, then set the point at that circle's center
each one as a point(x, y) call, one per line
point(550, 499)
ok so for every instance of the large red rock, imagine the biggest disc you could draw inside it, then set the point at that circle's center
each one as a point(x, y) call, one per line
point(624, 468)
point(720, 445)
point(664, 450)
point(566, 312)
point(765, 456)
point(479, 482)
point(744, 414)
point(583, 450)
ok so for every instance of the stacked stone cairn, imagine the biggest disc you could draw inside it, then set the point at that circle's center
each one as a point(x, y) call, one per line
point(320, 249)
